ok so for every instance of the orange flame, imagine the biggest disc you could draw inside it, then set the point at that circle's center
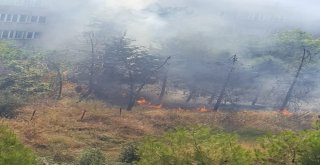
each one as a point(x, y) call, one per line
point(203, 109)
point(285, 112)
point(142, 101)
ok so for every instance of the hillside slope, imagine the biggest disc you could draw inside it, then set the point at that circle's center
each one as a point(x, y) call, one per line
point(57, 131)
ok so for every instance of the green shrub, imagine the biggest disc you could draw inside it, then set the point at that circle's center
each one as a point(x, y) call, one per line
point(12, 151)
point(8, 105)
point(280, 149)
point(92, 157)
point(316, 124)
point(290, 148)
point(311, 148)
point(24, 76)
point(197, 145)
point(129, 153)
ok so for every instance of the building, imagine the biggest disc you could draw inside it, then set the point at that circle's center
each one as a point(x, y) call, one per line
point(47, 24)
point(23, 20)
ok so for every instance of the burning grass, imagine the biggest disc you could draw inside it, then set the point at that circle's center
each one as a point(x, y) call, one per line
point(147, 104)
point(57, 126)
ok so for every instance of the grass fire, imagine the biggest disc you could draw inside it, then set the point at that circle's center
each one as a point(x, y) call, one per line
point(159, 82)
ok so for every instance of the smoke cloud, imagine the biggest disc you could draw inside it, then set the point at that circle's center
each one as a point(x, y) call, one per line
point(226, 24)
point(223, 20)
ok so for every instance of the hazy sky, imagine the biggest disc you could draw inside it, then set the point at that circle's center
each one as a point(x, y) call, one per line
point(153, 20)
point(220, 22)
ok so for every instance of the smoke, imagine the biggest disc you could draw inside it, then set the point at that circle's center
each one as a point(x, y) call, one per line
point(226, 21)
point(226, 24)
point(191, 27)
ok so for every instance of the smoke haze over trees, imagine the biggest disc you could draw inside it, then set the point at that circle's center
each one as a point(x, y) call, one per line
point(201, 37)
point(222, 51)
point(76, 74)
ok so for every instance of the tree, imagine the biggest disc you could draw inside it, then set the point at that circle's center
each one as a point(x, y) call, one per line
point(163, 86)
point(292, 43)
point(58, 82)
point(92, 41)
point(273, 60)
point(226, 83)
point(23, 77)
point(12, 151)
point(289, 93)
point(127, 64)
point(194, 68)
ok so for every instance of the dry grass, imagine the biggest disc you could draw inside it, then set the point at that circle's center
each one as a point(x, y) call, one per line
point(56, 129)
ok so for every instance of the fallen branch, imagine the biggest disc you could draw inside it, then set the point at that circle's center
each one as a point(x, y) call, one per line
point(83, 114)
point(33, 114)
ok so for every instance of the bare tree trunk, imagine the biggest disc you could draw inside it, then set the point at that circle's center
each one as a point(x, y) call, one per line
point(91, 69)
point(289, 93)
point(163, 88)
point(131, 101)
point(58, 83)
point(134, 94)
point(225, 85)
point(256, 98)
point(59, 76)
point(131, 104)
point(191, 95)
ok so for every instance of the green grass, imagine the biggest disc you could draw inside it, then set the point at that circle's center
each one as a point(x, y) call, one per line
point(251, 134)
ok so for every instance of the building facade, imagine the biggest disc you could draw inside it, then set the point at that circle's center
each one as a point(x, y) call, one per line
point(46, 24)
point(23, 19)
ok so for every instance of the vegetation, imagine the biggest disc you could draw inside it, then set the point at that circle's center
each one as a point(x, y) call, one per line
point(197, 145)
point(172, 95)
point(12, 151)
point(119, 71)
point(200, 145)
point(21, 79)
point(290, 148)
point(123, 66)
point(92, 157)
point(103, 127)
point(129, 153)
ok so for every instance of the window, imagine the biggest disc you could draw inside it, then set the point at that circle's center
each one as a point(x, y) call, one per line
point(15, 18)
point(2, 17)
point(19, 35)
point(11, 34)
point(37, 35)
point(23, 18)
point(9, 18)
point(29, 35)
point(42, 19)
point(5, 34)
point(34, 19)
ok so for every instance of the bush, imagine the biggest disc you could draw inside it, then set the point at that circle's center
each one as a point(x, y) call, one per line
point(92, 157)
point(279, 149)
point(24, 76)
point(290, 148)
point(198, 145)
point(311, 148)
point(8, 105)
point(129, 153)
point(12, 151)
point(203, 146)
